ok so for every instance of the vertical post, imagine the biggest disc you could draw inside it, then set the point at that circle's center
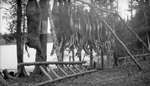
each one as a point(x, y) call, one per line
point(102, 58)
point(91, 57)
point(73, 55)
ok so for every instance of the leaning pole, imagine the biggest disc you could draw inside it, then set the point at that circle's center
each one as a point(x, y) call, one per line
point(123, 44)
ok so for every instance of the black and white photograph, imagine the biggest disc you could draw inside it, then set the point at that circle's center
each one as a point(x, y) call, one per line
point(74, 42)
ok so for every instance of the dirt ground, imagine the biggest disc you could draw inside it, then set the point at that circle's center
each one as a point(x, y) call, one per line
point(125, 75)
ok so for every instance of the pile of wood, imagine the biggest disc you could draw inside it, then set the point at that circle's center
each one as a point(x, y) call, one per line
point(5, 75)
point(2, 80)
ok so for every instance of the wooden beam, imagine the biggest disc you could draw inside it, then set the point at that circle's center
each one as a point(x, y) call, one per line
point(52, 63)
point(121, 42)
point(148, 40)
point(133, 32)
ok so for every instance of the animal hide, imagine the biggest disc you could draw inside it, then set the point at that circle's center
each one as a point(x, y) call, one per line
point(34, 24)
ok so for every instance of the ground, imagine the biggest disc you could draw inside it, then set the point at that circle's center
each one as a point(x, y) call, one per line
point(125, 75)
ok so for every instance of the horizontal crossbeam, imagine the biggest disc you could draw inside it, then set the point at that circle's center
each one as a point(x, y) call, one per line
point(52, 63)
point(138, 55)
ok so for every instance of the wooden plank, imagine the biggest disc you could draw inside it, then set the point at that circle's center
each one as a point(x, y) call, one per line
point(49, 68)
point(52, 63)
point(69, 76)
point(121, 42)
point(44, 71)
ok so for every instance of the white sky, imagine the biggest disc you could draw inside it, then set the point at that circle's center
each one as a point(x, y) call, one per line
point(123, 6)
point(3, 23)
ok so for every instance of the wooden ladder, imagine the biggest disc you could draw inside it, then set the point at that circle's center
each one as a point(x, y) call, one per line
point(62, 71)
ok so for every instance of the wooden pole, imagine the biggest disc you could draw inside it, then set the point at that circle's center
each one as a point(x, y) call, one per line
point(91, 57)
point(102, 58)
point(148, 40)
point(124, 46)
point(52, 63)
point(138, 55)
point(134, 33)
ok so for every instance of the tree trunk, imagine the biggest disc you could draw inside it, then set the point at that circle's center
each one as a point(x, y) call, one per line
point(73, 55)
point(115, 59)
point(102, 58)
point(21, 69)
point(79, 53)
